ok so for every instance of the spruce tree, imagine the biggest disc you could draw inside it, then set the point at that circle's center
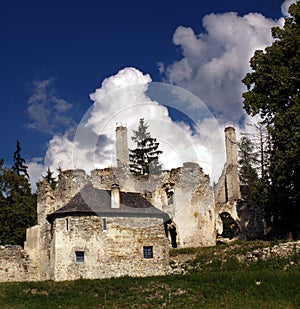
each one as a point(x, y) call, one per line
point(143, 160)
point(19, 166)
point(18, 204)
point(50, 179)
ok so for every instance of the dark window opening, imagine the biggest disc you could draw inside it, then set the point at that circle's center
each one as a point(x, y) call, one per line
point(104, 225)
point(230, 226)
point(173, 235)
point(148, 252)
point(171, 232)
point(79, 256)
point(67, 224)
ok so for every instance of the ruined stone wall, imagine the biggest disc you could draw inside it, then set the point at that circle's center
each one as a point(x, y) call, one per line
point(184, 193)
point(118, 251)
point(17, 265)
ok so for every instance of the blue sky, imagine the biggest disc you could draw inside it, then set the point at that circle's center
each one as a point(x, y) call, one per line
point(54, 54)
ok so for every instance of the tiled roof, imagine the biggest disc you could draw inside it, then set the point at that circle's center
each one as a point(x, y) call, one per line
point(96, 201)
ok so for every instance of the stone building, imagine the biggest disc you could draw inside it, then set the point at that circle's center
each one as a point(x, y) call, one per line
point(110, 223)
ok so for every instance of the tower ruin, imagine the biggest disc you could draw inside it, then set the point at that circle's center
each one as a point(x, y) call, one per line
point(232, 182)
point(122, 154)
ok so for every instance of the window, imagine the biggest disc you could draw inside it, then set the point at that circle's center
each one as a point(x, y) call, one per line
point(104, 224)
point(67, 224)
point(148, 252)
point(79, 256)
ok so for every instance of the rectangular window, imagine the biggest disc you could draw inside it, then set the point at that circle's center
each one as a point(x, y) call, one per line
point(67, 224)
point(79, 256)
point(148, 252)
point(104, 224)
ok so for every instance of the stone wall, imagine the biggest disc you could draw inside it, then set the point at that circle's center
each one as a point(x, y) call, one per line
point(283, 250)
point(184, 193)
point(17, 265)
point(118, 251)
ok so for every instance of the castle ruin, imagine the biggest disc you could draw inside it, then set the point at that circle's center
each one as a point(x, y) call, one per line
point(111, 223)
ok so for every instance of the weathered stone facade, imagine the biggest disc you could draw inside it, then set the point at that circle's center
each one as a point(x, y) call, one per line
point(114, 252)
point(17, 265)
point(104, 224)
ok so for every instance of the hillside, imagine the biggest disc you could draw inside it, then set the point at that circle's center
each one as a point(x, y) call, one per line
point(239, 275)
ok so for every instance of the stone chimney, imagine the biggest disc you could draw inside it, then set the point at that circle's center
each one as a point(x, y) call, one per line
point(115, 196)
point(232, 177)
point(122, 154)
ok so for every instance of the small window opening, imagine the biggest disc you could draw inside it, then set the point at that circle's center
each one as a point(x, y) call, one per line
point(104, 225)
point(67, 224)
point(79, 256)
point(148, 252)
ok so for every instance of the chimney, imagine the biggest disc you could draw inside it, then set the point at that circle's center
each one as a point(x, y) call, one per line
point(122, 154)
point(115, 196)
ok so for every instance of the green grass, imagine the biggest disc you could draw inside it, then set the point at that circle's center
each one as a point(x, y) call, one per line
point(210, 283)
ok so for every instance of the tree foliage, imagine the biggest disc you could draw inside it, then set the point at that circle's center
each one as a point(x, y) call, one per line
point(19, 166)
point(247, 172)
point(273, 93)
point(255, 186)
point(50, 178)
point(144, 158)
point(18, 204)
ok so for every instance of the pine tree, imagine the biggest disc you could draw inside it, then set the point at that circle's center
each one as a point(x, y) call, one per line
point(50, 179)
point(144, 158)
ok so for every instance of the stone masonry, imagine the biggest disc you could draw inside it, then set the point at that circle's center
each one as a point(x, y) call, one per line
point(110, 223)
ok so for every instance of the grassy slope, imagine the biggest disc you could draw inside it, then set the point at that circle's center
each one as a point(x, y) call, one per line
point(209, 283)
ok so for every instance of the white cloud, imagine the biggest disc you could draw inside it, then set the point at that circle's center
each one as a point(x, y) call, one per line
point(212, 66)
point(285, 7)
point(46, 111)
point(35, 170)
point(214, 62)
point(123, 98)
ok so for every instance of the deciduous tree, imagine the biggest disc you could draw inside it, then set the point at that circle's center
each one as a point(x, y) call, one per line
point(273, 93)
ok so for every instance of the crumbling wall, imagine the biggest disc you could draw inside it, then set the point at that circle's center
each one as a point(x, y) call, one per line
point(17, 265)
point(184, 193)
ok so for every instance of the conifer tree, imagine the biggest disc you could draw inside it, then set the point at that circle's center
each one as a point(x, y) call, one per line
point(19, 166)
point(49, 178)
point(18, 204)
point(143, 160)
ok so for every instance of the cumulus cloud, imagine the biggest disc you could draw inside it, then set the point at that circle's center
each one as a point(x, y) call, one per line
point(215, 61)
point(123, 99)
point(35, 170)
point(46, 111)
point(285, 7)
point(212, 66)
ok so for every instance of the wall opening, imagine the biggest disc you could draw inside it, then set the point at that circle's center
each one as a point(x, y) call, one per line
point(104, 224)
point(172, 233)
point(148, 252)
point(230, 226)
point(79, 256)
